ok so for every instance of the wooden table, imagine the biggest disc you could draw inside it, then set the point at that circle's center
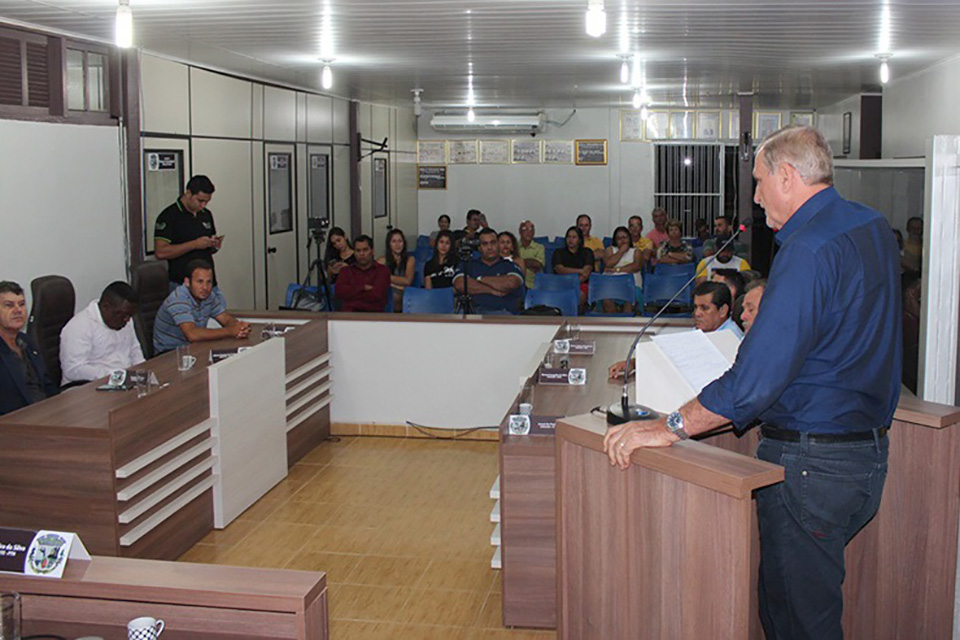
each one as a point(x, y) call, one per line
point(134, 476)
point(195, 601)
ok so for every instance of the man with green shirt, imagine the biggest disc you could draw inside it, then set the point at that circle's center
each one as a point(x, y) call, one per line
point(532, 253)
point(185, 231)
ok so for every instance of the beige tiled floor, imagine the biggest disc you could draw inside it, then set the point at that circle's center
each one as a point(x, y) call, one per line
point(401, 526)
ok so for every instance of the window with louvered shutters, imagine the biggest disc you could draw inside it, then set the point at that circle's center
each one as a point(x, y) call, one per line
point(38, 77)
point(11, 71)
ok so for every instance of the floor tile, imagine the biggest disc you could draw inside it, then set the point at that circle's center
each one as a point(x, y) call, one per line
point(388, 571)
point(447, 608)
point(366, 602)
point(460, 575)
point(336, 565)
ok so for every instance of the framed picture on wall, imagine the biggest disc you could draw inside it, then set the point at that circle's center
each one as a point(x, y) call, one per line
point(494, 152)
point(558, 151)
point(708, 125)
point(631, 126)
point(462, 151)
point(847, 132)
point(525, 152)
point(591, 152)
point(733, 125)
point(765, 123)
point(681, 125)
point(432, 151)
point(432, 177)
point(656, 125)
point(802, 118)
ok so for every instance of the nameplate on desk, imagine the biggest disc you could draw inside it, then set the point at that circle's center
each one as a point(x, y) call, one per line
point(216, 355)
point(575, 376)
point(519, 424)
point(575, 347)
point(277, 331)
point(39, 553)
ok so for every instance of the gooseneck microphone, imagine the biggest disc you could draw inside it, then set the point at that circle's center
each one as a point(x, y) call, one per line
point(623, 411)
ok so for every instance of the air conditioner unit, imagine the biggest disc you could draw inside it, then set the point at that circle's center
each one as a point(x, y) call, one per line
point(504, 123)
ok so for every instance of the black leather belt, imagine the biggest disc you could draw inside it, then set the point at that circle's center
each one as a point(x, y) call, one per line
point(789, 435)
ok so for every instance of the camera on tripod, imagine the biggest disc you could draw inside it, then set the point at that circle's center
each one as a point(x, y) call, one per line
point(317, 228)
point(468, 245)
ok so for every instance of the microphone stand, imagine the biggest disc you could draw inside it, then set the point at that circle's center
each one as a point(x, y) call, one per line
point(623, 411)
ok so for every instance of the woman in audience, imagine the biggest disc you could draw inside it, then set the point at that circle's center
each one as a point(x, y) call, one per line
point(339, 253)
point(510, 250)
point(574, 258)
point(674, 250)
point(402, 266)
point(622, 257)
point(443, 224)
point(439, 271)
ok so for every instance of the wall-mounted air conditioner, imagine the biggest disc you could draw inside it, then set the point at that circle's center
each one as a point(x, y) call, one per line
point(503, 123)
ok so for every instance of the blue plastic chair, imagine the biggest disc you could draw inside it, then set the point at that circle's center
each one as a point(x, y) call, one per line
point(607, 241)
point(428, 300)
point(544, 240)
point(686, 270)
point(548, 259)
point(422, 254)
point(423, 241)
point(418, 275)
point(388, 308)
point(554, 282)
point(618, 286)
point(567, 300)
point(658, 289)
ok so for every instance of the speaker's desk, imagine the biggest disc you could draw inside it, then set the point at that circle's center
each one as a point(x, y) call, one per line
point(135, 476)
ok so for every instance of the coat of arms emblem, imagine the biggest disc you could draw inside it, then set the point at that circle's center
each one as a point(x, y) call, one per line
point(47, 553)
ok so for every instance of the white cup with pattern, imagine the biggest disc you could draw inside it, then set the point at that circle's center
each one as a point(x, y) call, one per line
point(145, 628)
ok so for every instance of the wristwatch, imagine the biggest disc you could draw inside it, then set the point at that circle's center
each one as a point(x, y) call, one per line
point(675, 425)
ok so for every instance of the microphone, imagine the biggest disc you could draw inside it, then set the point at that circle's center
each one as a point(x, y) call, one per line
point(623, 411)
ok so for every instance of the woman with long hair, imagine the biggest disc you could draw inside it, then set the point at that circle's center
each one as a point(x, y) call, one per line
point(575, 258)
point(442, 266)
point(338, 253)
point(401, 264)
point(510, 250)
point(622, 257)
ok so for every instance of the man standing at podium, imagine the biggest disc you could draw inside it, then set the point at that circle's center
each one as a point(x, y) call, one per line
point(820, 367)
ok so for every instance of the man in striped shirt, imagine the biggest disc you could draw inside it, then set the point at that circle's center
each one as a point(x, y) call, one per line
point(183, 316)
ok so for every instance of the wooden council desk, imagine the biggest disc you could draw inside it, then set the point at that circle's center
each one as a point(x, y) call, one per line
point(135, 476)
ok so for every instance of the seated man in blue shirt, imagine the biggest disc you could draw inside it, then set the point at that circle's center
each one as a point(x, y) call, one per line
point(495, 284)
point(712, 304)
point(23, 374)
point(183, 316)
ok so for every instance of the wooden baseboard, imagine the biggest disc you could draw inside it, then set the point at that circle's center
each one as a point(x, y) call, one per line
point(405, 431)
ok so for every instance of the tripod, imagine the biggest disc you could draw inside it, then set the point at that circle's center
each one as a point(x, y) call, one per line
point(323, 286)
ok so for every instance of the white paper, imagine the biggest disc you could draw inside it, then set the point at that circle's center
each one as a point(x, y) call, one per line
point(694, 356)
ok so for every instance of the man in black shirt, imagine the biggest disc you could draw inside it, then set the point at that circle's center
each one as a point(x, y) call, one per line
point(185, 231)
point(23, 374)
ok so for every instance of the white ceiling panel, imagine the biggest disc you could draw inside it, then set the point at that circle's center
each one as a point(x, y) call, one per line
point(535, 53)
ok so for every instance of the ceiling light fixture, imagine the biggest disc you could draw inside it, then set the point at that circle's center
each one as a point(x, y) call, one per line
point(471, 116)
point(624, 68)
point(417, 106)
point(124, 25)
point(326, 76)
point(884, 67)
point(596, 18)
point(637, 99)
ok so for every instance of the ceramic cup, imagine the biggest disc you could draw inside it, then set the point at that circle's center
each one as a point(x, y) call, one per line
point(145, 628)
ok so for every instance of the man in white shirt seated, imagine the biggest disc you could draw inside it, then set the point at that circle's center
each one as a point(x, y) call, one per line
point(712, 304)
point(101, 338)
point(723, 260)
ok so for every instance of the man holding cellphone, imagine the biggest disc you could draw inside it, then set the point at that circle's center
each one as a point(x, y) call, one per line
point(185, 231)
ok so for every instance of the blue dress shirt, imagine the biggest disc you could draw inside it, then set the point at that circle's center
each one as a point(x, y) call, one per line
point(823, 355)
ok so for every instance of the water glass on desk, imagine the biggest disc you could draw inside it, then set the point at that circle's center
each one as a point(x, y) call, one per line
point(9, 615)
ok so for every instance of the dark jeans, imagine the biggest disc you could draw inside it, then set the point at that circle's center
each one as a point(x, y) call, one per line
point(830, 491)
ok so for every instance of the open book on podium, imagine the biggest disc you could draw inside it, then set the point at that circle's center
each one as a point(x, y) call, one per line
point(673, 368)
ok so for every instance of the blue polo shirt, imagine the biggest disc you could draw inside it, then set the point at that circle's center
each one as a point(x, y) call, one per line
point(823, 355)
point(179, 307)
point(486, 302)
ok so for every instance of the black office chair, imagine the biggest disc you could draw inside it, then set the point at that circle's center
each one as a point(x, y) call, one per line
point(54, 301)
point(152, 284)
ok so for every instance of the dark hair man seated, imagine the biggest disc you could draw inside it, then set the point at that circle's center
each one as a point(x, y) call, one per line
point(711, 308)
point(365, 284)
point(495, 285)
point(751, 303)
point(23, 374)
point(101, 338)
point(183, 316)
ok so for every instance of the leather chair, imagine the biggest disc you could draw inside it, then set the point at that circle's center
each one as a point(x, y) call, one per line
point(54, 301)
point(152, 284)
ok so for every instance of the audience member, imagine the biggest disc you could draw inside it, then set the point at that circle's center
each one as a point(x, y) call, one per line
point(749, 275)
point(442, 266)
point(101, 338)
point(474, 217)
point(574, 258)
point(23, 374)
point(183, 316)
point(443, 224)
point(912, 261)
point(751, 303)
point(495, 285)
point(723, 260)
point(402, 266)
point(622, 257)
point(703, 231)
point(532, 253)
point(723, 229)
point(911, 289)
point(585, 224)
point(645, 245)
point(185, 231)
point(365, 284)
point(510, 250)
point(731, 278)
point(711, 308)
point(899, 237)
point(674, 250)
point(338, 254)
point(658, 235)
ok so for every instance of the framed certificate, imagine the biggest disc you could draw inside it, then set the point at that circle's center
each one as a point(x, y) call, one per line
point(432, 151)
point(591, 152)
point(681, 125)
point(525, 152)
point(462, 151)
point(558, 151)
point(656, 125)
point(708, 125)
point(432, 177)
point(802, 118)
point(765, 123)
point(631, 126)
point(733, 126)
point(494, 152)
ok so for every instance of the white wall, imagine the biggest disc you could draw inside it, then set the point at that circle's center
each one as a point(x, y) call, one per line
point(919, 106)
point(62, 205)
point(830, 124)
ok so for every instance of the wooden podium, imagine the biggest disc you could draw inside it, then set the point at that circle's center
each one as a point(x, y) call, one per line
point(666, 549)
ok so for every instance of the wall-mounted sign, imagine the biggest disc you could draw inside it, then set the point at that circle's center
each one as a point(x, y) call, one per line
point(432, 177)
point(591, 152)
point(162, 160)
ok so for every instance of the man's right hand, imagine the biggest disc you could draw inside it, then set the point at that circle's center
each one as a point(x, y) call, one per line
point(241, 329)
point(205, 242)
point(616, 369)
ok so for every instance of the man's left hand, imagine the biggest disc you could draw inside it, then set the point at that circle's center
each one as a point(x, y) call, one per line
point(621, 441)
